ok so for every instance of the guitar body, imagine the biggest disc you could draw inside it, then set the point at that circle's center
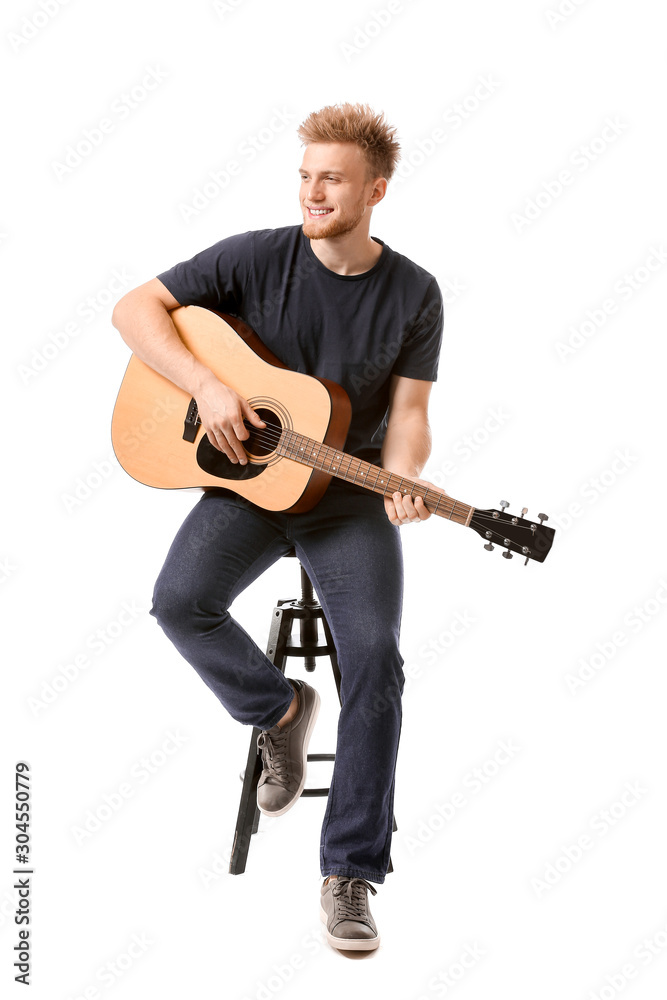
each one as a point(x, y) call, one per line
point(158, 440)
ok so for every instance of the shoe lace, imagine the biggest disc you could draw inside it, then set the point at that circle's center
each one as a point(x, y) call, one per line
point(350, 894)
point(273, 747)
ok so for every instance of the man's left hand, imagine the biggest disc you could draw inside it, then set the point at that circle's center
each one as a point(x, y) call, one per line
point(403, 509)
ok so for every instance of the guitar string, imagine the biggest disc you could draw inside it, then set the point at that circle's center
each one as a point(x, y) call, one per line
point(272, 434)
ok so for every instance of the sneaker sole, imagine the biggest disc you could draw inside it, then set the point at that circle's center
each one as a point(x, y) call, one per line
point(309, 729)
point(348, 944)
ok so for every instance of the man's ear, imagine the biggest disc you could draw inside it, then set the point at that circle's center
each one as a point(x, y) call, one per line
point(379, 190)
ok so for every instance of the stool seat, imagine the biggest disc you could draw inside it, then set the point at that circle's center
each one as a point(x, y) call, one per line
point(307, 611)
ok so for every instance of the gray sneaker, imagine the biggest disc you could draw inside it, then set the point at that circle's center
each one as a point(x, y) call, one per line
point(345, 911)
point(284, 755)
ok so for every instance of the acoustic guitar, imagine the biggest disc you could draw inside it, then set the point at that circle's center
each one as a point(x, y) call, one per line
point(159, 440)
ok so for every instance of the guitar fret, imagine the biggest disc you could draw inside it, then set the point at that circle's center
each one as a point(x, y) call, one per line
point(350, 473)
point(349, 467)
point(381, 484)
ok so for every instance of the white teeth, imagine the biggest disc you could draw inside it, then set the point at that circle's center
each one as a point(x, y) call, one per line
point(319, 211)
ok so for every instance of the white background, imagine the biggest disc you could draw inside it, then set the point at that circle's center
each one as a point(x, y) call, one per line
point(581, 435)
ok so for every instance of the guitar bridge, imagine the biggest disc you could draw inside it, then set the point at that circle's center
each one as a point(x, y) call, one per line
point(192, 422)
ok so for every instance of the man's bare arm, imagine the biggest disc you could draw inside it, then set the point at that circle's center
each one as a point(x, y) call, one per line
point(143, 321)
point(407, 444)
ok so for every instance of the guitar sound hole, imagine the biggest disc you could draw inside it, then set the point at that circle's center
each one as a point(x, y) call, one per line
point(263, 440)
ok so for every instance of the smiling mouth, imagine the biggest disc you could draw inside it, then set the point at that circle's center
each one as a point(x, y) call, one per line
point(317, 213)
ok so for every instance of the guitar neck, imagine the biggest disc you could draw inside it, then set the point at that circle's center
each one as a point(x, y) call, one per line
point(312, 453)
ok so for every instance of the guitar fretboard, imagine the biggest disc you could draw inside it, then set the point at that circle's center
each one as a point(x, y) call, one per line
point(312, 453)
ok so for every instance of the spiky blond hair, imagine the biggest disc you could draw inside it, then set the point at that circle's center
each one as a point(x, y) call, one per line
point(359, 124)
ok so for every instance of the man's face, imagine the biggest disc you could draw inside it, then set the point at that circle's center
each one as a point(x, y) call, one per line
point(335, 189)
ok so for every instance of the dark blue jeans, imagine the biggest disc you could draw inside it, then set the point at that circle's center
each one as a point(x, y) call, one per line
point(352, 554)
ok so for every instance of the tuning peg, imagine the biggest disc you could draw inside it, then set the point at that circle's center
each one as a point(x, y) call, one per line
point(504, 504)
point(489, 547)
point(507, 554)
point(543, 518)
point(524, 511)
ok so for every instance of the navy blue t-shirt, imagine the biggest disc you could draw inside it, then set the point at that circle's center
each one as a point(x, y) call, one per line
point(353, 329)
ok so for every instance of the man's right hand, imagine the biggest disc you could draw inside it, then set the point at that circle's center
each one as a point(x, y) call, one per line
point(222, 412)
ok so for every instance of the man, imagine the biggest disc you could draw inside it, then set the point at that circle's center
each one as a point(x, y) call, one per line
point(332, 301)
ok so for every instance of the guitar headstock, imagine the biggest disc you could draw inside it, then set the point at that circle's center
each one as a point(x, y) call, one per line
point(514, 534)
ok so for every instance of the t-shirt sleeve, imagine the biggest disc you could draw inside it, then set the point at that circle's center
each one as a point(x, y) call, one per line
point(420, 351)
point(214, 278)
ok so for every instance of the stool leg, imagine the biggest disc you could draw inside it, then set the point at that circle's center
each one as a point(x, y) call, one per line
point(308, 626)
point(248, 815)
point(247, 821)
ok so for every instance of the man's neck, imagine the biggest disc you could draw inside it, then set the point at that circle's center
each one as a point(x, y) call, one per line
point(347, 254)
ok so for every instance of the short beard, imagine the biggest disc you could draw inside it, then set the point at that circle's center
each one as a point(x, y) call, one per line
point(337, 227)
